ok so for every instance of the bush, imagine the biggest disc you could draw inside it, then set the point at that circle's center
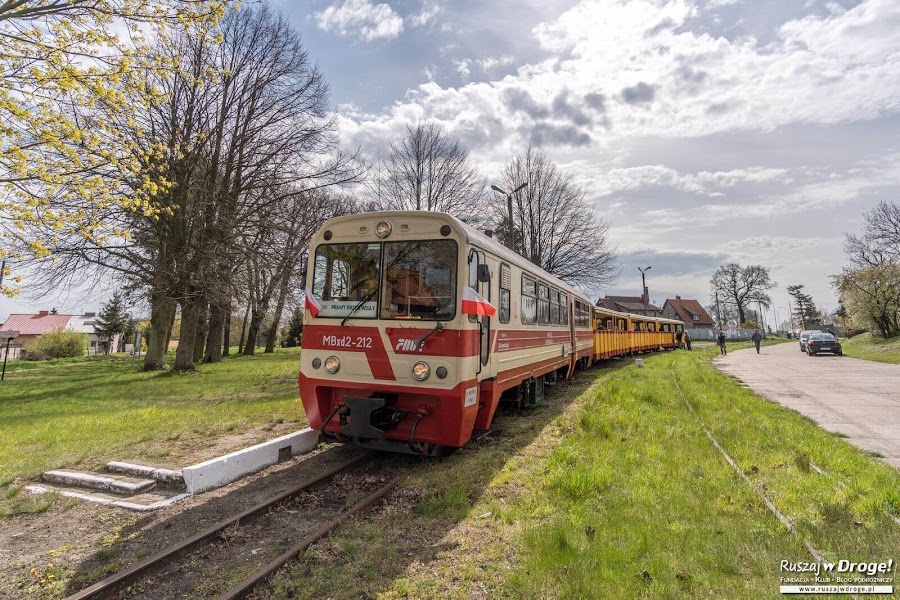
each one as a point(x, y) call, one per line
point(32, 354)
point(62, 343)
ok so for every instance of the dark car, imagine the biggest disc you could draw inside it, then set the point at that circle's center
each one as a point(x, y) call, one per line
point(804, 335)
point(823, 342)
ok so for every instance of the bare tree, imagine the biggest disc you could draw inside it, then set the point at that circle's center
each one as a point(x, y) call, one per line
point(427, 170)
point(554, 226)
point(870, 286)
point(741, 286)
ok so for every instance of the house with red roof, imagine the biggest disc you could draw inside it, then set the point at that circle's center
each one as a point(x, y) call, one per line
point(32, 326)
point(690, 311)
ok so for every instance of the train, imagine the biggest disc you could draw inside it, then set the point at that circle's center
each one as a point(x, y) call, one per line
point(417, 326)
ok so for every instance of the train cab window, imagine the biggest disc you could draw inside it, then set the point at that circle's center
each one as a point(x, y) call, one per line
point(543, 304)
point(564, 309)
point(419, 280)
point(529, 301)
point(554, 304)
point(505, 287)
point(345, 276)
point(609, 324)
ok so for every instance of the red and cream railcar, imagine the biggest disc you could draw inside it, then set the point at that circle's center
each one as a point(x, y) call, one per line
point(398, 352)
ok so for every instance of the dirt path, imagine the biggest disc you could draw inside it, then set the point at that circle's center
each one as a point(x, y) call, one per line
point(859, 399)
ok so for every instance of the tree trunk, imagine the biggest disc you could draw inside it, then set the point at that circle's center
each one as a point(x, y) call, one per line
point(170, 328)
point(279, 308)
point(162, 312)
point(256, 317)
point(226, 332)
point(184, 354)
point(216, 332)
point(741, 316)
point(202, 329)
point(243, 329)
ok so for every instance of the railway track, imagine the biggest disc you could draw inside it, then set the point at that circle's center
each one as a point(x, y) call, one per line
point(199, 563)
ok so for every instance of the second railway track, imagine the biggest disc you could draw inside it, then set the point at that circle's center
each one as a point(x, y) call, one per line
point(234, 556)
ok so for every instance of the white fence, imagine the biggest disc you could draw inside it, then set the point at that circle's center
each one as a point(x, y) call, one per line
point(730, 334)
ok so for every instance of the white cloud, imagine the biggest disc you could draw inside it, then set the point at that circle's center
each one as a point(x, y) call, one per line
point(423, 17)
point(361, 19)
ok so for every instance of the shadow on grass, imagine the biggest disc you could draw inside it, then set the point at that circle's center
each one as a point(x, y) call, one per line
point(439, 493)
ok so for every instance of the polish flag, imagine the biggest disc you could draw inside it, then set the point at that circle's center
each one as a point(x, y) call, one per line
point(312, 303)
point(475, 304)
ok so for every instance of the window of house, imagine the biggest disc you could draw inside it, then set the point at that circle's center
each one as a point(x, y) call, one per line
point(505, 286)
point(543, 304)
point(696, 317)
point(529, 301)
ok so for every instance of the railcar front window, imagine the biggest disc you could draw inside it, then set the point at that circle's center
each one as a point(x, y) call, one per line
point(419, 280)
point(346, 276)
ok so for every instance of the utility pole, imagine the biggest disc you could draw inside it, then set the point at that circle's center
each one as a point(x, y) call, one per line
point(718, 311)
point(511, 242)
point(791, 314)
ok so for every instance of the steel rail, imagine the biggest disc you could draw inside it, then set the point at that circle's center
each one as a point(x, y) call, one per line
point(108, 587)
point(244, 588)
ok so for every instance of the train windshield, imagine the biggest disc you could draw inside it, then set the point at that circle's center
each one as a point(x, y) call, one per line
point(346, 278)
point(419, 280)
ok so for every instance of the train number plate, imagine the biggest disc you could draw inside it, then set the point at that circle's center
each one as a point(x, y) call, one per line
point(471, 396)
point(347, 341)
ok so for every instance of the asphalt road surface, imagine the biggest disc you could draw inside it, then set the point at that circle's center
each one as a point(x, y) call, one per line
point(857, 398)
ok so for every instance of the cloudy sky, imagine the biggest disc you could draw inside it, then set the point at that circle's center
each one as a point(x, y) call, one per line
point(704, 131)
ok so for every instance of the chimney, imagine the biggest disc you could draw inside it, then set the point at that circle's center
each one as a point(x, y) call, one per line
point(43, 313)
point(489, 233)
point(677, 297)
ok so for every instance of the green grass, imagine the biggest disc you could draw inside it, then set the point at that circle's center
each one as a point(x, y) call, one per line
point(85, 412)
point(617, 492)
point(869, 347)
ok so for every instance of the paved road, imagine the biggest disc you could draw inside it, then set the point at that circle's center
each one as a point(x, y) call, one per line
point(857, 398)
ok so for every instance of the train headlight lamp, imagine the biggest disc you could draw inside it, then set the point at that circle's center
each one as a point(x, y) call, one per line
point(383, 229)
point(421, 371)
point(316, 363)
point(332, 364)
point(441, 372)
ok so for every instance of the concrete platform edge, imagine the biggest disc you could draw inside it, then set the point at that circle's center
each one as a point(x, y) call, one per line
point(222, 470)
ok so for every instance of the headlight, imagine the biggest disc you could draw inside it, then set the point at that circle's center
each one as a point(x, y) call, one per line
point(421, 371)
point(316, 363)
point(332, 364)
point(383, 229)
point(441, 372)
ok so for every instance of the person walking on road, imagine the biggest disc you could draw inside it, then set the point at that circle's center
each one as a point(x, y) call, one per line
point(757, 338)
point(687, 340)
point(721, 341)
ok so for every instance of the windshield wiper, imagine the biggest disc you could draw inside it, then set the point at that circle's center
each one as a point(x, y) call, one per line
point(368, 297)
point(421, 341)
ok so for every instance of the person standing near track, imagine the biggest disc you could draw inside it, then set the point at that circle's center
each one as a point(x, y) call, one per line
point(721, 341)
point(678, 335)
point(687, 340)
point(757, 338)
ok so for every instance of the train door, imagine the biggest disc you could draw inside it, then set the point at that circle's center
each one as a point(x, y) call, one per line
point(480, 281)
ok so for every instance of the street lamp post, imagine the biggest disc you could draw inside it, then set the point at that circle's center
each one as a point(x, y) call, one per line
point(509, 211)
point(644, 281)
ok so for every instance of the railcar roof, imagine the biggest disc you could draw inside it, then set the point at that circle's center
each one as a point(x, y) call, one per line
point(607, 311)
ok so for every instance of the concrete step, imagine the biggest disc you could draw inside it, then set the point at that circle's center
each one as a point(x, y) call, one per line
point(116, 484)
point(160, 475)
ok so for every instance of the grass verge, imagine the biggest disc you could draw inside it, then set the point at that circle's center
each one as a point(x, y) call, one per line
point(613, 490)
point(89, 411)
point(869, 347)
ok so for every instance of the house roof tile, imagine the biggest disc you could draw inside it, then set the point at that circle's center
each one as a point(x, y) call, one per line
point(35, 324)
point(686, 309)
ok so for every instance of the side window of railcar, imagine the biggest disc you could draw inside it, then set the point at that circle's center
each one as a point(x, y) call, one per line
point(473, 277)
point(554, 307)
point(505, 286)
point(529, 301)
point(563, 309)
point(543, 304)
